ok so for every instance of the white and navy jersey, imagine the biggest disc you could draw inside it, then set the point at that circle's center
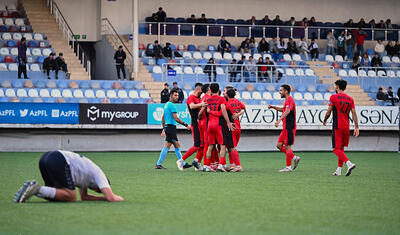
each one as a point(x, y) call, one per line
point(84, 172)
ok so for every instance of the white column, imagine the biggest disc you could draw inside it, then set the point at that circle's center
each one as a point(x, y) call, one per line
point(135, 33)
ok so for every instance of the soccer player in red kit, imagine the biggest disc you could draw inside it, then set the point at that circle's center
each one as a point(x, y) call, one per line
point(216, 108)
point(341, 104)
point(235, 109)
point(194, 105)
point(287, 136)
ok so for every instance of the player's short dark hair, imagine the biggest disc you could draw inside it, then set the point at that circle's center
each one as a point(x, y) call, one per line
point(286, 88)
point(229, 87)
point(60, 54)
point(214, 87)
point(231, 93)
point(342, 84)
point(204, 88)
point(198, 84)
point(173, 91)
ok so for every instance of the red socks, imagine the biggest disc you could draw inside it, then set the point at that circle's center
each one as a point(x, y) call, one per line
point(199, 155)
point(190, 152)
point(289, 157)
point(235, 157)
point(341, 156)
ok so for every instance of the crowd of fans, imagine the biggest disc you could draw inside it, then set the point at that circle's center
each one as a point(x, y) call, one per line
point(387, 95)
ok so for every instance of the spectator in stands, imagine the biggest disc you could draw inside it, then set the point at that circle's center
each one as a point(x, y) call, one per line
point(253, 21)
point(22, 58)
point(253, 45)
point(291, 22)
point(380, 48)
point(203, 19)
point(356, 62)
point(305, 23)
point(349, 44)
point(273, 45)
point(281, 46)
point(50, 64)
point(161, 15)
point(390, 48)
point(372, 23)
point(271, 69)
point(381, 25)
point(245, 46)
point(389, 24)
point(313, 48)
point(119, 58)
point(313, 22)
point(261, 70)
point(381, 95)
point(398, 93)
point(349, 24)
point(165, 93)
point(167, 51)
point(303, 47)
point(263, 46)
point(250, 69)
point(232, 70)
point(291, 47)
point(360, 37)
point(192, 19)
point(340, 44)
point(157, 50)
point(180, 92)
point(224, 46)
point(397, 48)
point(376, 61)
point(62, 66)
point(211, 70)
point(330, 50)
point(240, 67)
point(362, 23)
point(365, 62)
point(391, 97)
point(277, 21)
point(266, 20)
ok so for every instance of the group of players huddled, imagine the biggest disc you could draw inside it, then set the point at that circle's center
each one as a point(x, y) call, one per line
point(215, 128)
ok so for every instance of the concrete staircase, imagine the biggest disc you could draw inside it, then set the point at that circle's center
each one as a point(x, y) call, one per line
point(329, 76)
point(43, 22)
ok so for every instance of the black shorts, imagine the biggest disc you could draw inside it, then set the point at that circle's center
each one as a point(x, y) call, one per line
point(197, 140)
point(55, 170)
point(170, 133)
point(228, 138)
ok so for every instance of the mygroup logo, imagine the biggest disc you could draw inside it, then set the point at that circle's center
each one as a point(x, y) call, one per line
point(23, 112)
point(93, 113)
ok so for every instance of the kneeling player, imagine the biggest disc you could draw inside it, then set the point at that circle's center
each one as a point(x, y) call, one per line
point(62, 171)
point(287, 136)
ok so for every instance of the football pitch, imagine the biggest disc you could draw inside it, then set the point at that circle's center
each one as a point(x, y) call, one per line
point(256, 201)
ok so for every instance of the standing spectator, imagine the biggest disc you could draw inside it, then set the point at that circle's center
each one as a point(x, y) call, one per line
point(50, 64)
point(22, 58)
point(203, 19)
point(281, 46)
point(381, 25)
point(250, 69)
point(253, 21)
point(161, 15)
point(313, 22)
point(390, 48)
point(388, 24)
point(291, 47)
point(61, 65)
point(232, 70)
point(349, 24)
point(266, 20)
point(277, 21)
point(211, 70)
point(303, 48)
point(360, 37)
point(362, 23)
point(224, 46)
point(365, 61)
point(261, 70)
point(273, 45)
point(331, 44)
point(119, 58)
point(165, 93)
point(313, 48)
point(245, 46)
point(167, 51)
point(349, 45)
point(340, 44)
point(305, 23)
point(380, 48)
point(157, 50)
point(253, 45)
point(372, 23)
point(180, 92)
point(263, 46)
point(291, 22)
point(192, 19)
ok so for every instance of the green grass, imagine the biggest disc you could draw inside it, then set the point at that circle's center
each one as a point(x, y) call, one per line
point(258, 200)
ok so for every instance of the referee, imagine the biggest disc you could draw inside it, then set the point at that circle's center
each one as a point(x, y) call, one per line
point(169, 121)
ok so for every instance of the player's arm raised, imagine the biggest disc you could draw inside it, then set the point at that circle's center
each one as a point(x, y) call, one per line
point(226, 117)
point(279, 109)
point(328, 114)
point(355, 118)
point(287, 111)
point(178, 120)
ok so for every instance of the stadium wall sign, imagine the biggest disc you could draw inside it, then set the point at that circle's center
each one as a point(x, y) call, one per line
point(155, 112)
point(39, 113)
point(112, 113)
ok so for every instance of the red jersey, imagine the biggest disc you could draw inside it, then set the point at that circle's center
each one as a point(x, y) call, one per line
point(234, 106)
point(214, 104)
point(342, 104)
point(204, 99)
point(289, 122)
point(194, 113)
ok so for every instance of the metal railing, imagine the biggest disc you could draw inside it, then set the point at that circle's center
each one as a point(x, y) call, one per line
point(239, 30)
point(231, 73)
point(378, 73)
point(70, 36)
point(108, 29)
